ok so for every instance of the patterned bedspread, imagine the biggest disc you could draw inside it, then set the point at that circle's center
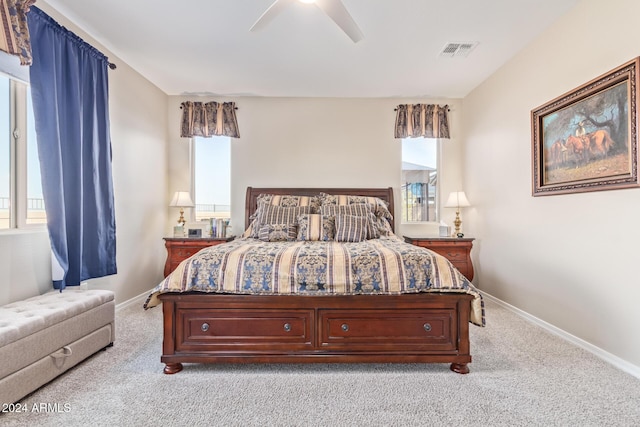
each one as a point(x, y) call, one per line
point(386, 265)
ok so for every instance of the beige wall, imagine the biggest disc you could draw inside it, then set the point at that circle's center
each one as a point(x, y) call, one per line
point(139, 134)
point(315, 142)
point(570, 260)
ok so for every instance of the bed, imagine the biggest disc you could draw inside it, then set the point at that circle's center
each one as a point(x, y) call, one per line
point(314, 299)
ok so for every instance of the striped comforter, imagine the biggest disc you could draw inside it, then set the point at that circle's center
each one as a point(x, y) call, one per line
point(386, 265)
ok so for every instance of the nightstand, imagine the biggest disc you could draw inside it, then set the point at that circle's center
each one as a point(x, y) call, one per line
point(455, 249)
point(181, 248)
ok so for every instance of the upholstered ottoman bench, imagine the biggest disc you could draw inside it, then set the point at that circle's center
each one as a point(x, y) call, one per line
point(43, 336)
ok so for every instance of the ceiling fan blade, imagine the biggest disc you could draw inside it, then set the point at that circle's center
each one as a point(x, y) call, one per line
point(270, 13)
point(336, 11)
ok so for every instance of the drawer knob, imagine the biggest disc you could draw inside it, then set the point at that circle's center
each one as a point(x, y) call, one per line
point(287, 327)
point(427, 327)
point(345, 327)
point(204, 327)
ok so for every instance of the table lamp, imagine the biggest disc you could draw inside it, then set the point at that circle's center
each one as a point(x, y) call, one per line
point(457, 200)
point(182, 199)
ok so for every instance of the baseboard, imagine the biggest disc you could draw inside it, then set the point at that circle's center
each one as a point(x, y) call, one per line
point(597, 351)
point(135, 300)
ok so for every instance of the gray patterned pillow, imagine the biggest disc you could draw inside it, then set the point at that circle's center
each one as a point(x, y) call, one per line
point(378, 206)
point(272, 214)
point(277, 232)
point(356, 209)
point(316, 227)
point(289, 201)
point(383, 226)
point(351, 228)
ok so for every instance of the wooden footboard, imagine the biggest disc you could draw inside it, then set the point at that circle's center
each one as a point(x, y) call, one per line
point(412, 328)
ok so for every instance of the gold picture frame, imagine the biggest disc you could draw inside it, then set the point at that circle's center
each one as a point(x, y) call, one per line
point(586, 139)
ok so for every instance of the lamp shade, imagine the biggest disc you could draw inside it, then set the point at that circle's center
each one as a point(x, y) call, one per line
point(457, 199)
point(181, 199)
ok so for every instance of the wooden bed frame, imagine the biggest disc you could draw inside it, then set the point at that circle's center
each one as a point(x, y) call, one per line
point(220, 328)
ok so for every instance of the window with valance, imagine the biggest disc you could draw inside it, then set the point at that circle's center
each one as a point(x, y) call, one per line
point(207, 119)
point(422, 121)
point(420, 126)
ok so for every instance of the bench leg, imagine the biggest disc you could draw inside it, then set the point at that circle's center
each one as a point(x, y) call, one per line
point(107, 346)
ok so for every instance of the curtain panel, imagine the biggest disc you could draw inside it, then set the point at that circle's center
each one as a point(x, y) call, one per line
point(422, 120)
point(14, 31)
point(69, 87)
point(208, 118)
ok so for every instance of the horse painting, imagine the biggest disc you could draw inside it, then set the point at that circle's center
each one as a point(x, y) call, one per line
point(587, 139)
point(600, 143)
point(558, 154)
point(578, 148)
point(582, 149)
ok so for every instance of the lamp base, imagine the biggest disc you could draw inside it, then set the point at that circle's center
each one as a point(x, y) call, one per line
point(181, 220)
point(457, 223)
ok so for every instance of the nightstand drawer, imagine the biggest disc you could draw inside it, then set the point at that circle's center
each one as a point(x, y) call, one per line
point(456, 250)
point(461, 266)
point(452, 254)
point(179, 249)
point(184, 253)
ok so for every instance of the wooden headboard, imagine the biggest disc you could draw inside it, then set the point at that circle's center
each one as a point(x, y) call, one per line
point(251, 202)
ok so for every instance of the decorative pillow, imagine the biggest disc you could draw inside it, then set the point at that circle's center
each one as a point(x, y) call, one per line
point(356, 209)
point(289, 201)
point(277, 232)
point(383, 226)
point(272, 214)
point(316, 227)
point(351, 228)
point(378, 206)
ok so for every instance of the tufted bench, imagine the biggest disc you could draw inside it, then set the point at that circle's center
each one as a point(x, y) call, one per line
point(43, 336)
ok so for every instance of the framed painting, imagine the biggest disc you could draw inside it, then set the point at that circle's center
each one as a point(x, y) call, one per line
point(586, 139)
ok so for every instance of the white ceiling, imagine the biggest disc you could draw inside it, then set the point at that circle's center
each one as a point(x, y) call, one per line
point(205, 47)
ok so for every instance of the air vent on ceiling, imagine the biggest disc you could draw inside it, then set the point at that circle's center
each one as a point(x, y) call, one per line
point(457, 50)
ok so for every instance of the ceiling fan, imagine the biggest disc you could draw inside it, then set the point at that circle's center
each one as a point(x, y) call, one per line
point(333, 8)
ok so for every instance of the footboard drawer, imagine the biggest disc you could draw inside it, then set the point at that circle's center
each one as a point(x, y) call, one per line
point(243, 329)
point(389, 330)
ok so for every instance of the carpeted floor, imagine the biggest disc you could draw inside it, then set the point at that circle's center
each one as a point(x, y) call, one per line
point(521, 375)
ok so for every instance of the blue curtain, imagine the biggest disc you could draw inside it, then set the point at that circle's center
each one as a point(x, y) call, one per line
point(69, 87)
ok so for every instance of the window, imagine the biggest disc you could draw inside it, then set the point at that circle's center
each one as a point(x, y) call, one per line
point(35, 199)
point(212, 177)
point(5, 154)
point(21, 201)
point(419, 185)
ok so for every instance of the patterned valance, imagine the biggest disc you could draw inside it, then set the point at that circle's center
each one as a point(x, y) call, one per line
point(209, 118)
point(14, 32)
point(422, 120)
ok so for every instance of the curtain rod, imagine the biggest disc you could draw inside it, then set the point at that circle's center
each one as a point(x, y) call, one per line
point(448, 109)
point(56, 25)
point(235, 108)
